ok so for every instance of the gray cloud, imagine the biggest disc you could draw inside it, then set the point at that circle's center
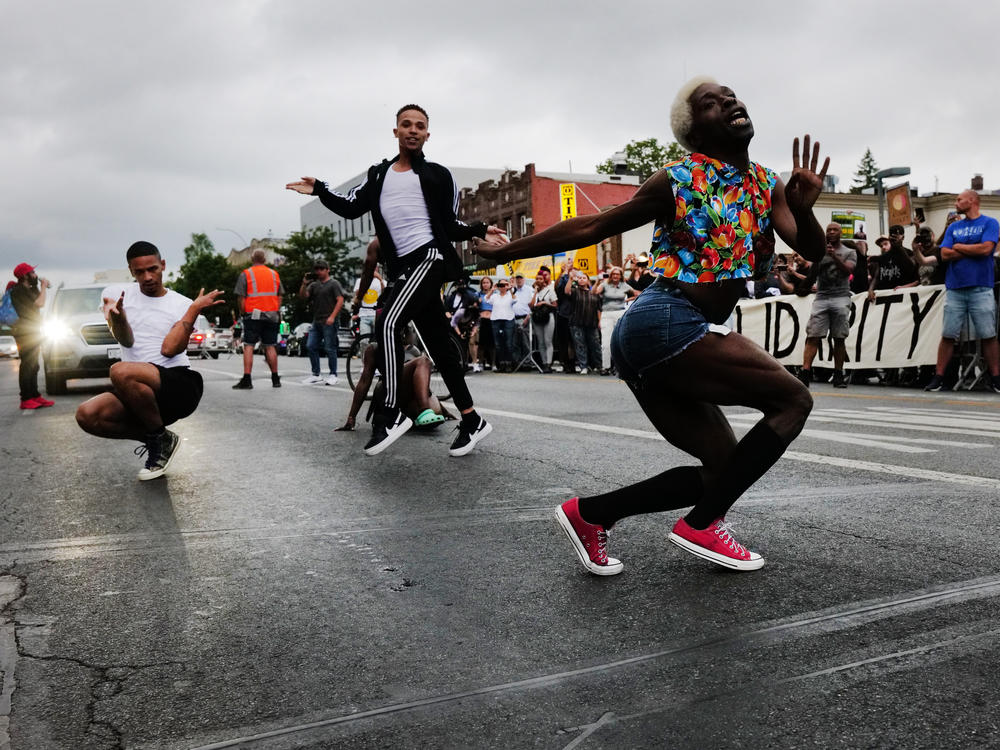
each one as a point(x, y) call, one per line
point(124, 120)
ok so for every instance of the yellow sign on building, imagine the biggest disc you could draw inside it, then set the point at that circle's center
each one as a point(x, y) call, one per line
point(585, 259)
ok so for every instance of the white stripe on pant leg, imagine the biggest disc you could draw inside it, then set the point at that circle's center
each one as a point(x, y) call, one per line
point(391, 320)
point(392, 317)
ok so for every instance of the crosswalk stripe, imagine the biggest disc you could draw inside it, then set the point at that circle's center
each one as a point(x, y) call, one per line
point(930, 421)
point(984, 483)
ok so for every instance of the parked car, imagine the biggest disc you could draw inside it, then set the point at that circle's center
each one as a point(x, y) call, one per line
point(8, 347)
point(206, 341)
point(76, 340)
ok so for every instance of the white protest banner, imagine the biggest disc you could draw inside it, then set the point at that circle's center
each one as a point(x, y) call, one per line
point(901, 328)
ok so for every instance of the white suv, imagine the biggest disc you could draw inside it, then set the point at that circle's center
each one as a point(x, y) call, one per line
point(76, 341)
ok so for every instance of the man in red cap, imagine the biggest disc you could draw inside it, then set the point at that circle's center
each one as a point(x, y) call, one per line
point(28, 297)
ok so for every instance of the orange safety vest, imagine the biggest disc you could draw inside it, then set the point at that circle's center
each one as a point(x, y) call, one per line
point(262, 289)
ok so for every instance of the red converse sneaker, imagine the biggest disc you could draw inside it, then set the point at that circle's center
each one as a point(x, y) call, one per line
point(44, 401)
point(715, 543)
point(589, 540)
point(30, 403)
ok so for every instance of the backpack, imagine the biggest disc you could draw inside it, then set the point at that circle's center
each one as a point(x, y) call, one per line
point(8, 315)
point(540, 314)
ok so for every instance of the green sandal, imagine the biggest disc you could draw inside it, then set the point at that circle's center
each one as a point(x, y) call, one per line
point(428, 417)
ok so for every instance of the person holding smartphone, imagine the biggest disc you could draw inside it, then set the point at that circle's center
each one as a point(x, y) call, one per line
point(327, 298)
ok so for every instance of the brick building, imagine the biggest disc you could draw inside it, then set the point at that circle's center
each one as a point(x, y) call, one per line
point(529, 201)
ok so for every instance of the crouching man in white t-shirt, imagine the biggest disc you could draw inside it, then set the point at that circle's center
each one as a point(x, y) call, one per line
point(154, 384)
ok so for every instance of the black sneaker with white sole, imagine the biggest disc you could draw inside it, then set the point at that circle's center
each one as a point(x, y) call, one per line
point(387, 428)
point(159, 451)
point(936, 383)
point(468, 436)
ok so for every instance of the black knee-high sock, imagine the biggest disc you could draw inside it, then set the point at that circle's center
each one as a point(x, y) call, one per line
point(757, 452)
point(675, 488)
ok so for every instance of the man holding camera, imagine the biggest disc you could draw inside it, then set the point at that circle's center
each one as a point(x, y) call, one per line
point(28, 298)
point(831, 310)
point(327, 298)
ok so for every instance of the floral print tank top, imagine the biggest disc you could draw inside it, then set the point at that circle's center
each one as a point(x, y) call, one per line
point(722, 226)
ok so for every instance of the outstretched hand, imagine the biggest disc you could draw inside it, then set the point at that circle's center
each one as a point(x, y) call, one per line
point(495, 237)
point(113, 307)
point(805, 184)
point(214, 297)
point(304, 186)
point(492, 243)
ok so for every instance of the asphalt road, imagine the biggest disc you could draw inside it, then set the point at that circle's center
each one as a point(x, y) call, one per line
point(278, 589)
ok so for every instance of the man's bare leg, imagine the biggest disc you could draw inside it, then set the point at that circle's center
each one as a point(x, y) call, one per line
point(944, 354)
point(106, 416)
point(136, 385)
point(247, 359)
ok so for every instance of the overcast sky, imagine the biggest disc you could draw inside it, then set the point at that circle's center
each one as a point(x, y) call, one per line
point(139, 120)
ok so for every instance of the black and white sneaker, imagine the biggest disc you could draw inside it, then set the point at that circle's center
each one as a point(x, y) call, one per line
point(386, 430)
point(468, 437)
point(159, 452)
point(936, 383)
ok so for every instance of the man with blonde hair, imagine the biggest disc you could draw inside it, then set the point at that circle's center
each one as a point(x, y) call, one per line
point(670, 346)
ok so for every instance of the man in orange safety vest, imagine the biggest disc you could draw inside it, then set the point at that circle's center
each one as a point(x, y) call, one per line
point(259, 293)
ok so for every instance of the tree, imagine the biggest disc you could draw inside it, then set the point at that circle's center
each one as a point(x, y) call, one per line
point(301, 250)
point(203, 268)
point(645, 158)
point(865, 176)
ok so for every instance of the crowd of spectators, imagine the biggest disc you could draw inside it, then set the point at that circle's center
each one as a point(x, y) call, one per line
point(566, 318)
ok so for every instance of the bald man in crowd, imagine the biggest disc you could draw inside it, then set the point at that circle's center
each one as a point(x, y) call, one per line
point(968, 247)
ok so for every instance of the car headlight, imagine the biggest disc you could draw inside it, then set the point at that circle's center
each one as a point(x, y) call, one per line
point(56, 330)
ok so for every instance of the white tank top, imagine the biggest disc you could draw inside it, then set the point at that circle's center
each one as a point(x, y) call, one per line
point(405, 211)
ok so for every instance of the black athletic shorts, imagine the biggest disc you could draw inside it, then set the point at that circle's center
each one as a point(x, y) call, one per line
point(179, 394)
point(263, 330)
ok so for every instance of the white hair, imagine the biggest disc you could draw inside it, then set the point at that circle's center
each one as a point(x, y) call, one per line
point(681, 113)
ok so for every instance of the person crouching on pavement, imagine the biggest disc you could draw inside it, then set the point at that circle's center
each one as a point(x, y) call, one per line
point(416, 399)
point(154, 385)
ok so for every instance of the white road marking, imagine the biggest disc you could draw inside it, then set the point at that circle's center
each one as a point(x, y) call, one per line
point(928, 421)
point(849, 463)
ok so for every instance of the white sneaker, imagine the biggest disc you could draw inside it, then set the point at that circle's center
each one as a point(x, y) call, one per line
point(477, 368)
point(332, 380)
point(313, 380)
point(582, 371)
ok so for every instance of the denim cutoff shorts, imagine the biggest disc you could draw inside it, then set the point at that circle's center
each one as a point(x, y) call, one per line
point(975, 304)
point(659, 325)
